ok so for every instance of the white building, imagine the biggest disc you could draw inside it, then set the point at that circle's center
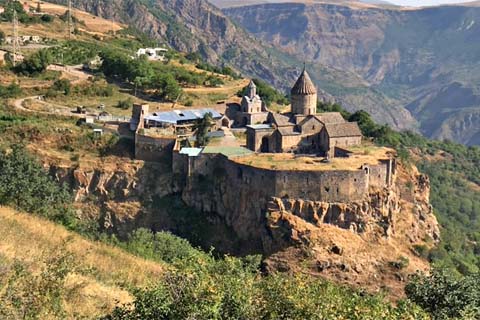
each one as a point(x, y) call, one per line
point(153, 53)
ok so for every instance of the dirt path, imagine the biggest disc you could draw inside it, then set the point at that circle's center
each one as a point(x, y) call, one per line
point(75, 72)
point(59, 110)
point(233, 87)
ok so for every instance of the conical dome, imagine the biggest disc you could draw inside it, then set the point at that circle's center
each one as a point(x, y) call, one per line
point(304, 85)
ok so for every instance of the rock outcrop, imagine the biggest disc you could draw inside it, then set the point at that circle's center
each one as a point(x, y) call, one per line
point(350, 242)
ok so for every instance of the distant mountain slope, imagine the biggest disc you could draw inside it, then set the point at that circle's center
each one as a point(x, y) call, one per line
point(240, 3)
point(196, 25)
point(425, 60)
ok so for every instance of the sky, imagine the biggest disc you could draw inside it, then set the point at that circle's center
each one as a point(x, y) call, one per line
point(416, 3)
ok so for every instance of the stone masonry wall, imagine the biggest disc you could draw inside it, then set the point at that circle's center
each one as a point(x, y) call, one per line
point(153, 148)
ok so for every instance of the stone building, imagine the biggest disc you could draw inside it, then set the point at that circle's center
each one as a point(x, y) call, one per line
point(157, 133)
point(303, 130)
point(252, 109)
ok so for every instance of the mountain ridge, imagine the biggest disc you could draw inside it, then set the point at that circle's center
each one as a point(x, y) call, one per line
point(422, 61)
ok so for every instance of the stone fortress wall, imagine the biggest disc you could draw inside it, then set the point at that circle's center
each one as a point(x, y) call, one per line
point(148, 147)
point(325, 185)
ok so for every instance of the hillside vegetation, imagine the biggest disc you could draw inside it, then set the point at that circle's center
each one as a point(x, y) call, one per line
point(56, 264)
point(48, 272)
point(47, 276)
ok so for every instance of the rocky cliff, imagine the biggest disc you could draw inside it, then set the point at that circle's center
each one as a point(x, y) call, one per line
point(348, 242)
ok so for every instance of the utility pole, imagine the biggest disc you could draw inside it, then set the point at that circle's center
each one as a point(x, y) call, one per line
point(15, 37)
point(70, 20)
point(113, 25)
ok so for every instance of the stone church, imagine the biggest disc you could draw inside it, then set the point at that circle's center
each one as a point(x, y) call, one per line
point(252, 109)
point(302, 130)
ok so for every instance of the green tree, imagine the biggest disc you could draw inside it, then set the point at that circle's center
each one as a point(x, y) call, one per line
point(167, 88)
point(36, 63)
point(2, 36)
point(13, 90)
point(25, 185)
point(62, 85)
point(446, 296)
point(267, 93)
point(202, 127)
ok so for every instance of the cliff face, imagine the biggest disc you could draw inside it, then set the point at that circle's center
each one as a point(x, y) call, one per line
point(349, 242)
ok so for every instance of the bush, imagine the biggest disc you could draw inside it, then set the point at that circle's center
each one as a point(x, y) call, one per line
point(232, 288)
point(446, 296)
point(25, 185)
point(46, 18)
point(125, 104)
point(35, 295)
point(62, 85)
point(11, 91)
point(35, 63)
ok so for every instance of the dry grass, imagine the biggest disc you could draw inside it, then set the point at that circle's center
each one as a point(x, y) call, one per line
point(106, 270)
point(366, 154)
point(92, 23)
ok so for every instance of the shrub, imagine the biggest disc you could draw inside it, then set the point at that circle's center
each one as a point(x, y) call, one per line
point(35, 63)
point(11, 91)
point(62, 85)
point(25, 185)
point(125, 104)
point(446, 296)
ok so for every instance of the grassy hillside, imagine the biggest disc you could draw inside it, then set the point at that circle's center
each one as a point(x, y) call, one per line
point(90, 277)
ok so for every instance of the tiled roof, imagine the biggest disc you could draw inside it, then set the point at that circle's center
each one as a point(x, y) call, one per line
point(177, 116)
point(347, 129)
point(330, 117)
point(287, 131)
point(304, 85)
point(279, 119)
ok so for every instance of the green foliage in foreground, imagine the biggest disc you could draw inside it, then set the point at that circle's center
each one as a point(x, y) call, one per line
point(25, 185)
point(446, 296)
point(28, 295)
point(202, 287)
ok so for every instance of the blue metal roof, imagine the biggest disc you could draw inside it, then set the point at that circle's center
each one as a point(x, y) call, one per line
point(177, 116)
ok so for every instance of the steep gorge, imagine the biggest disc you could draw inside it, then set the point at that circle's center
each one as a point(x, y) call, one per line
point(346, 242)
point(423, 60)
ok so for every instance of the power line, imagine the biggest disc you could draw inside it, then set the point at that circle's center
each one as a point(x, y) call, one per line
point(70, 20)
point(16, 43)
